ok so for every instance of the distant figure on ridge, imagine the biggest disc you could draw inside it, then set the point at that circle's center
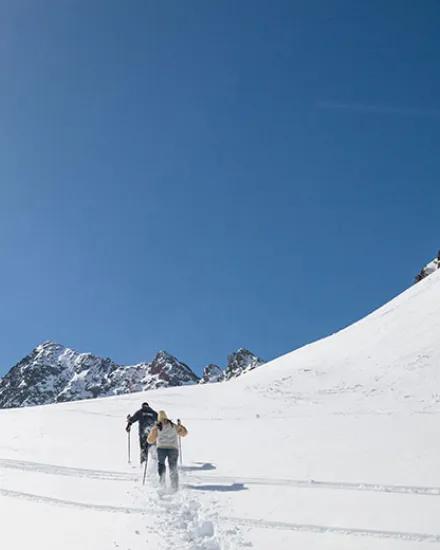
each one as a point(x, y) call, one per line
point(166, 436)
point(146, 417)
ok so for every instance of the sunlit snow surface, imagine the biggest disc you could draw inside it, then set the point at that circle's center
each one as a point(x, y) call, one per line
point(334, 446)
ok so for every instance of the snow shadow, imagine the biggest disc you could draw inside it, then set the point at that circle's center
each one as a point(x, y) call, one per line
point(199, 467)
point(233, 487)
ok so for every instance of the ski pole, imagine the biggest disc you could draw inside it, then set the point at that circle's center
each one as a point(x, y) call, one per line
point(129, 442)
point(180, 444)
point(145, 469)
point(145, 472)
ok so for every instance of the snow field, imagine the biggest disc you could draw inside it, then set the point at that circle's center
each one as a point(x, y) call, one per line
point(334, 446)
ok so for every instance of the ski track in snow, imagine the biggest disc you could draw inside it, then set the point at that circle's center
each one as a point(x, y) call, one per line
point(71, 503)
point(188, 525)
point(335, 485)
point(185, 518)
point(398, 535)
point(52, 469)
point(191, 526)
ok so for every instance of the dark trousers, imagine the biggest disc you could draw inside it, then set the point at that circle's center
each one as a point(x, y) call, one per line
point(144, 446)
point(172, 455)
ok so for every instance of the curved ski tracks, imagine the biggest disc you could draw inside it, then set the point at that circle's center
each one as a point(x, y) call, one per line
point(334, 485)
point(304, 527)
point(52, 469)
point(245, 522)
point(70, 503)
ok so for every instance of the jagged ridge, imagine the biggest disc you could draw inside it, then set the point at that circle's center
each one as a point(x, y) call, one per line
point(240, 362)
point(212, 374)
point(52, 373)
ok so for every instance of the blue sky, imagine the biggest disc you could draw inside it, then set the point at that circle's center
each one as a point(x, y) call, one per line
point(201, 176)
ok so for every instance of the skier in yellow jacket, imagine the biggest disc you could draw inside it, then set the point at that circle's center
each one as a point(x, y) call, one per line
point(166, 436)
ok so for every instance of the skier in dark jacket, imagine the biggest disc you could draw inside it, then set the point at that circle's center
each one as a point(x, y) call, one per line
point(146, 417)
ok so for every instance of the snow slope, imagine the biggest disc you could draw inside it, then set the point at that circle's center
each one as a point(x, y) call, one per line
point(334, 446)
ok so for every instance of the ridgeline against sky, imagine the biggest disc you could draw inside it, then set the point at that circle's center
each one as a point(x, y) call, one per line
point(203, 176)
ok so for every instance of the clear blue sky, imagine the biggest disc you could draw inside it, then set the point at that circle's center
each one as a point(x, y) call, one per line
point(199, 176)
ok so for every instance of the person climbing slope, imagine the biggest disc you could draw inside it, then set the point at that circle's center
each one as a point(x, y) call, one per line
point(146, 416)
point(166, 436)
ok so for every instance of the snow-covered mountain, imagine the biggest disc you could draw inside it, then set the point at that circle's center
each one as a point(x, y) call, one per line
point(212, 374)
point(428, 269)
point(333, 446)
point(53, 373)
point(240, 362)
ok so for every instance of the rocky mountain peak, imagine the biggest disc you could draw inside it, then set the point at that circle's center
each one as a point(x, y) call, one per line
point(241, 362)
point(52, 373)
point(211, 374)
point(429, 268)
point(172, 371)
